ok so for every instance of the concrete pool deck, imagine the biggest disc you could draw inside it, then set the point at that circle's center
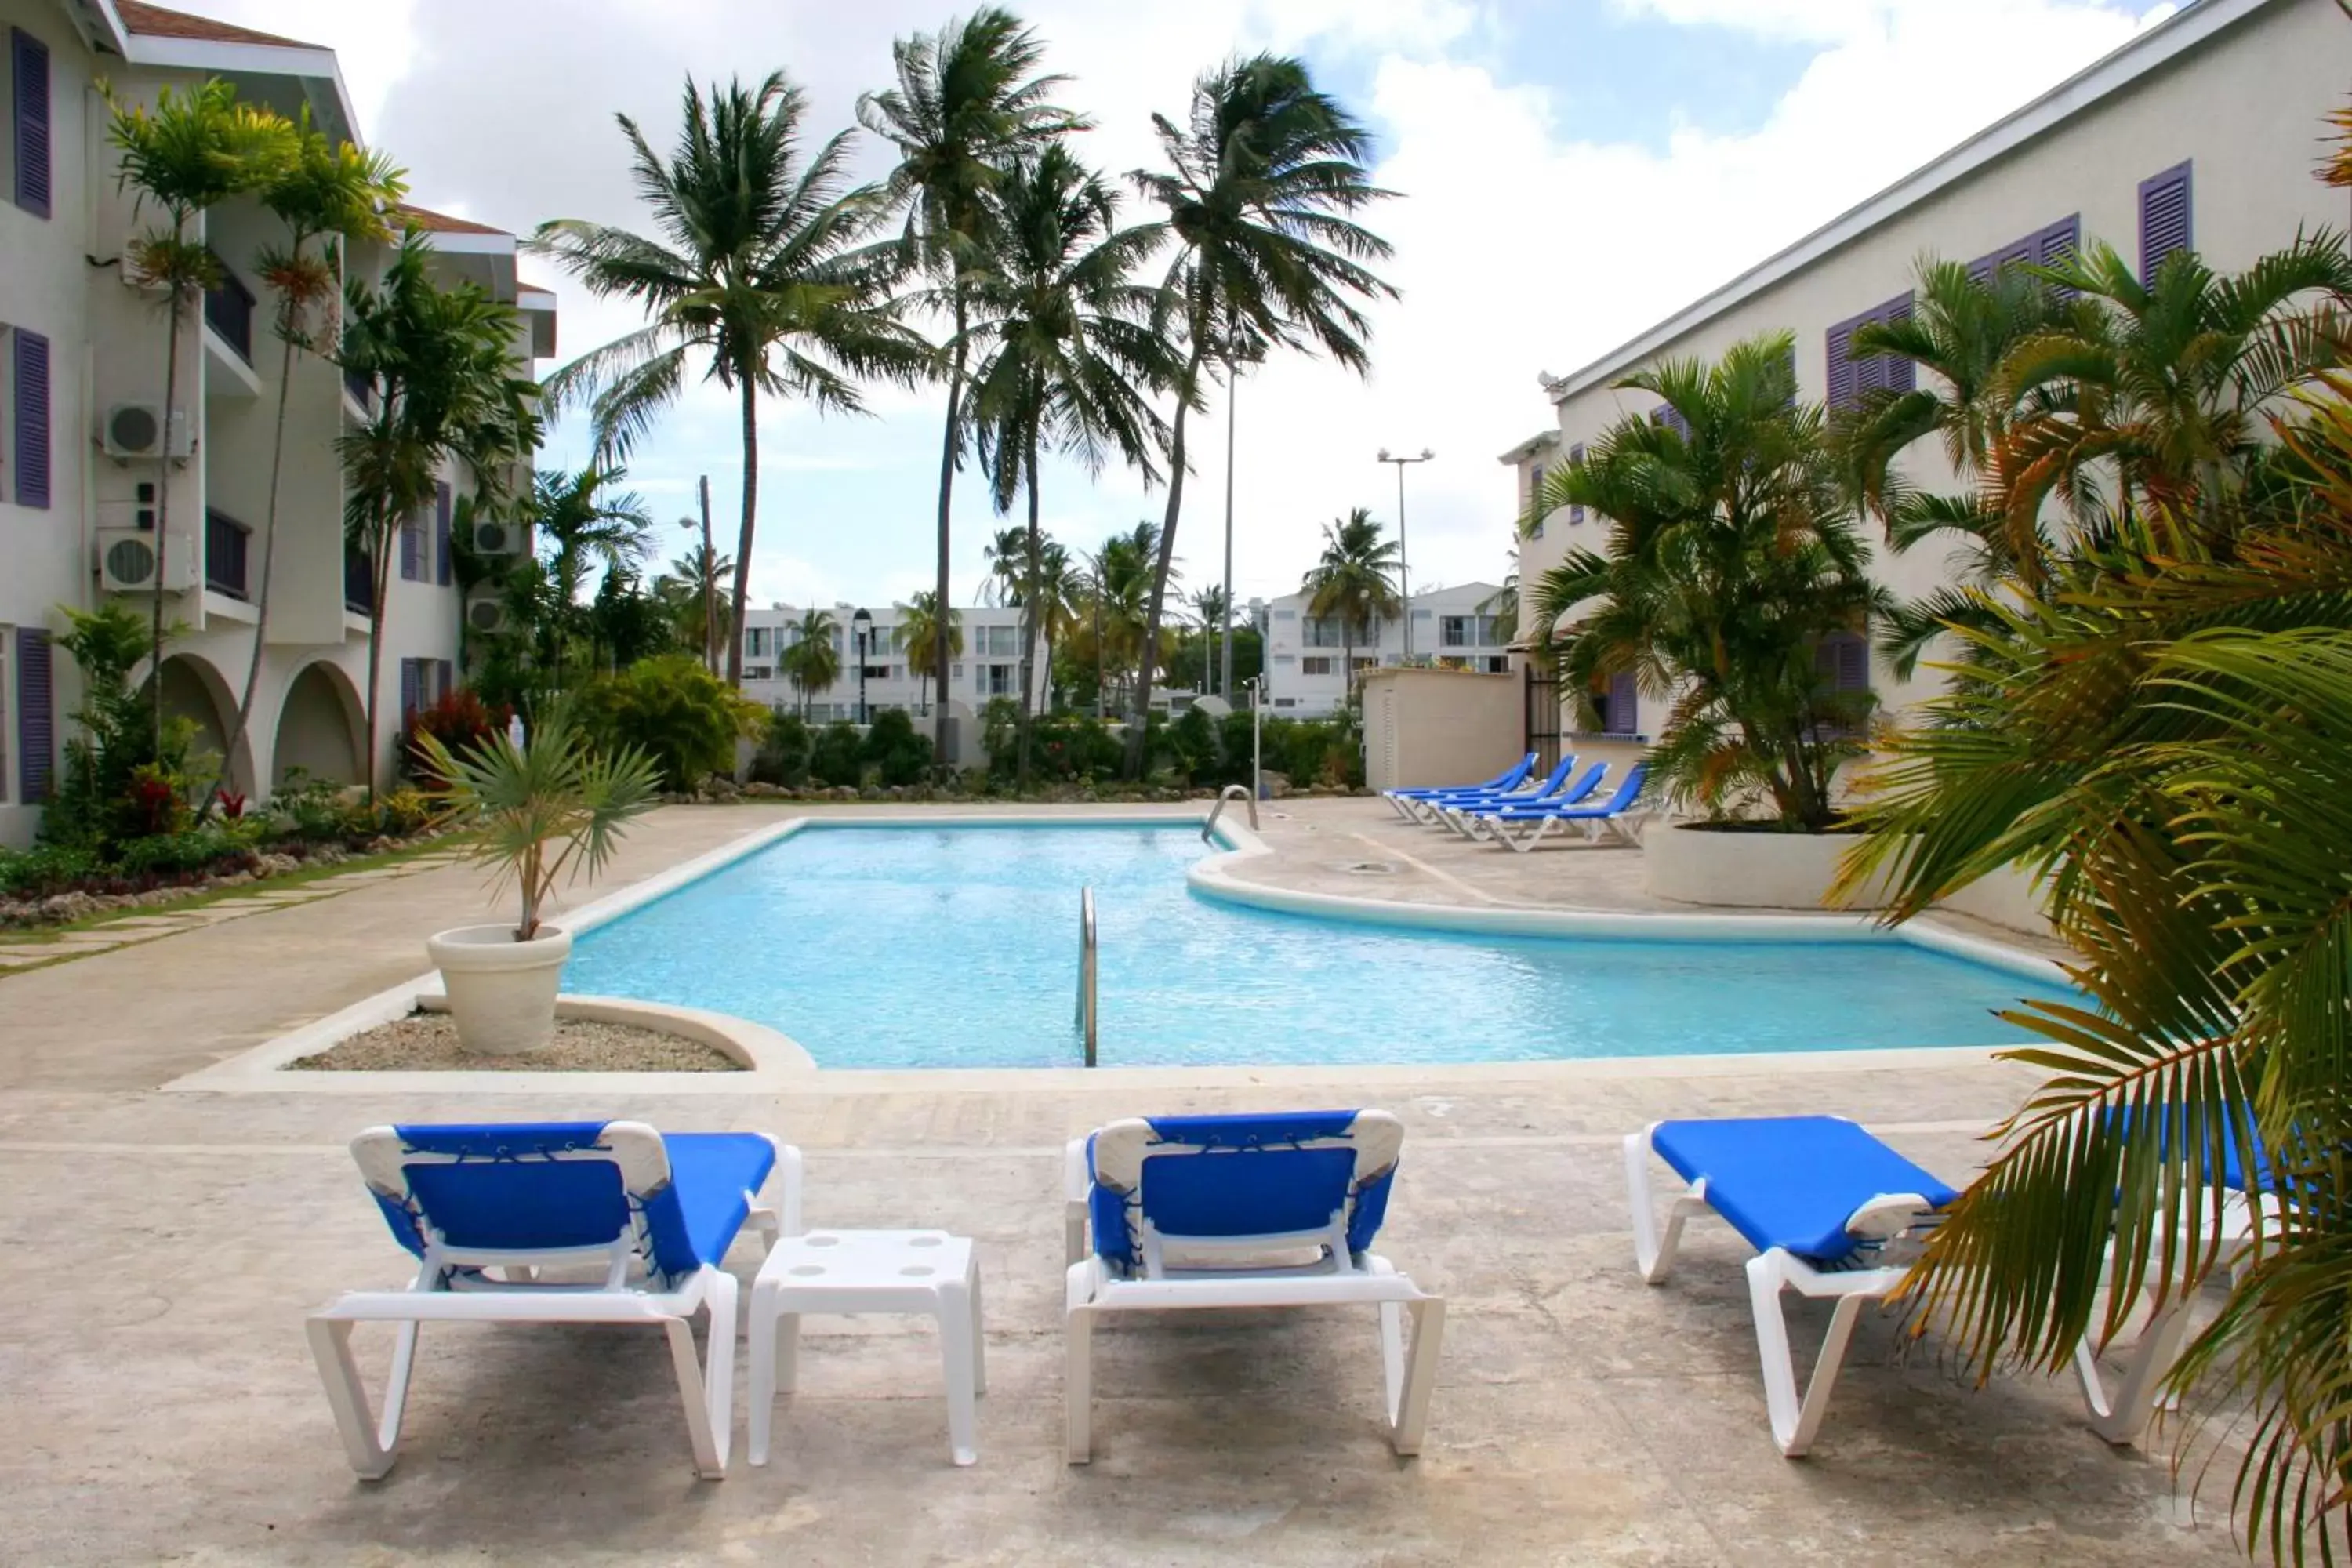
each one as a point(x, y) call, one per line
point(162, 1403)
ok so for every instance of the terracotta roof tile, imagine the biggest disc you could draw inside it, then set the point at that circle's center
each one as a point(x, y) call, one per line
point(442, 222)
point(157, 23)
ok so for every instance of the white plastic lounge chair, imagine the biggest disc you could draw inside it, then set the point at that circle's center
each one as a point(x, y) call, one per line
point(1405, 802)
point(1196, 1211)
point(649, 1216)
point(1522, 827)
point(1833, 1211)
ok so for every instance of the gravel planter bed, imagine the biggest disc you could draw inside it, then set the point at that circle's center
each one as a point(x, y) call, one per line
point(427, 1042)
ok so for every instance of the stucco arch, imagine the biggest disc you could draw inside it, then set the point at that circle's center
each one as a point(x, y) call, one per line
point(196, 689)
point(319, 726)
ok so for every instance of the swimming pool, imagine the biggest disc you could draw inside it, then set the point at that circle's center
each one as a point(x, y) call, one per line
point(913, 946)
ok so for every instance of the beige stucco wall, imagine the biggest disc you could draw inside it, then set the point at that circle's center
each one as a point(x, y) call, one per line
point(1431, 727)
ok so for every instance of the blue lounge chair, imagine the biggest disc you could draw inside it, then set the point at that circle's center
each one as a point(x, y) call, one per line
point(1433, 811)
point(1834, 1213)
point(1509, 778)
point(1522, 827)
point(1242, 1210)
point(487, 1208)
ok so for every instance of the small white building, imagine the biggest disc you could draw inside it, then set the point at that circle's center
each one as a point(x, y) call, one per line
point(989, 666)
point(1455, 627)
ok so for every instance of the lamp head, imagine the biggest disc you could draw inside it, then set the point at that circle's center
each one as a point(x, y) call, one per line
point(1426, 454)
point(1384, 455)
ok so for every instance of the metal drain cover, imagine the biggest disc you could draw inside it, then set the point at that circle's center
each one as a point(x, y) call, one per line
point(1371, 868)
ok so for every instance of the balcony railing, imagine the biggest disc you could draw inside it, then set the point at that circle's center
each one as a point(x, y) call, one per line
point(224, 543)
point(359, 581)
point(228, 309)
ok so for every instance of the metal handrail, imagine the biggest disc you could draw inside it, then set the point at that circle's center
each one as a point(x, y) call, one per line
point(1249, 796)
point(1088, 1010)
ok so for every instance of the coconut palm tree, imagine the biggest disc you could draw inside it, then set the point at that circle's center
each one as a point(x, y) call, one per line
point(192, 151)
point(1354, 581)
point(698, 590)
point(578, 523)
point(811, 662)
point(919, 632)
point(1115, 589)
point(1732, 557)
point(965, 108)
point(761, 273)
point(327, 194)
point(1007, 556)
point(1259, 193)
point(1066, 350)
point(442, 389)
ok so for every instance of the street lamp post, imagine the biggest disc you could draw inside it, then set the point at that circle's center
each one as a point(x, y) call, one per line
point(709, 607)
point(861, 631)
point(1404, 567)
point(1257, 685)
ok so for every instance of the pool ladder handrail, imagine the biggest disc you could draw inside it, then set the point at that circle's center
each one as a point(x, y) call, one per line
point(1249, 796)
point(1087, 1011)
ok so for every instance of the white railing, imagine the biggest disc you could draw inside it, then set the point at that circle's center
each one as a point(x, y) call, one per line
point(1249, 797)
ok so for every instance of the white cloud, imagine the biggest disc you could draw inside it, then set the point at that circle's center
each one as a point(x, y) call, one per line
point(1524, 243)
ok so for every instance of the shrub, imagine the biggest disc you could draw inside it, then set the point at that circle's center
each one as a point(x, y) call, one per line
point(1190, 745)
point(1000, 736)
point(310, 808)
point(683, 718)
point(402, 813)
point(897, 753)
point(199, 849)
point(460, 720)
point(839, 756)
point(783, 755)
point(44, 869)
point(1075, 748)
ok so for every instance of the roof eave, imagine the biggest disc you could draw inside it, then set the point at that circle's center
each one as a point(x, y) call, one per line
point(1529, 448)
point(301, 63)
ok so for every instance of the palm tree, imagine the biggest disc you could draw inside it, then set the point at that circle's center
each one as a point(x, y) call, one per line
point(927, 650)
point(1259, 192)
point(697, 589)
point(1008, 571)
point(811, 662)
point(329, 192)
point(1066, 346)
point(1355, 583)
point(438, 363)
point(964, 111)
point(1052, 604)
point(760, 271)
point(194, 151)
point(1117, 589)
point(577, 525)
point(1732, 559)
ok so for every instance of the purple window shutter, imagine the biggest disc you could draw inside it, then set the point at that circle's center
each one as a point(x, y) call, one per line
point(1844, 390)
point(37, 735)
point(1624, 701)
point(412, 683)
point(444, 678)
point(441, 512)
point(2059, 241)
point(1668, 416)
point(411, 551)
point(28, 72)
point(2164, 218)
point(1576, 510)
point(32, 393)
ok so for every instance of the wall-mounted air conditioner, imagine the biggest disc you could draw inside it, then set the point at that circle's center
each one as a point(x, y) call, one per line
point(500, 536)
point(485, 613)
point(126, 561)
point(136, 430)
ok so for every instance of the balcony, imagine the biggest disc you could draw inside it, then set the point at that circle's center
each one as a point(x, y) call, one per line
point(225, 549)
point(228, 311)
point(359, 581)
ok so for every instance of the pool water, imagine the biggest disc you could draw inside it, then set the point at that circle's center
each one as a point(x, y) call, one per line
point(938, 947)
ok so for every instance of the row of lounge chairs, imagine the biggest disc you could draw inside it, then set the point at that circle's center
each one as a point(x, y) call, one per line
point(1509, 810)
point(1166, 1214)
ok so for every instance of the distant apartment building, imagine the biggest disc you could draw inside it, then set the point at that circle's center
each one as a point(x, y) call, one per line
point(989, 666)
point(87, 449)
point(1306, 656)
point(2201, 132)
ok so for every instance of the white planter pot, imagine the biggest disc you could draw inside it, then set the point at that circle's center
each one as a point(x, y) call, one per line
point(501, 991)
point(1750, 871)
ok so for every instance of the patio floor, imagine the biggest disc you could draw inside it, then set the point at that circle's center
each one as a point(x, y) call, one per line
point(162, 1404)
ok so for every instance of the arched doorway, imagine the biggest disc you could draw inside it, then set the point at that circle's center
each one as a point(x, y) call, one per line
point(319, 726)
point(195, 691)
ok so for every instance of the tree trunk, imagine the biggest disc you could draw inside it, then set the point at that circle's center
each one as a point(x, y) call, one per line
point(947, 501)
point(261, 595)
point(163, 518)
point(1136, 750)
point(1029, 613)
point(1226, 631)
point(378, 609)
point(743, 535)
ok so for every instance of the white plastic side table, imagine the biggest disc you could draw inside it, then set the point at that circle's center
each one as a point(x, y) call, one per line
point(845, 1271)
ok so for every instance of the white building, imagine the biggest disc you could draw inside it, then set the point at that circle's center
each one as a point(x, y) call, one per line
point(1305, 654)
point(2201, 132)
point(987, 667)
point(86, 450)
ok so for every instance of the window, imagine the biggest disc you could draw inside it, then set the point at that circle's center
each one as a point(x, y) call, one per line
point(1843, 661)
point(1666, 415)
point(755, 642)
point(1622, 706)
point(758, 672)
point(1318, 632)
point(1285, 615)
point(412, 549)
point(35, 723)
point(30, 413)
point(955, 672)
point(28, 83)
point(875, 672)
point(1850, 379)
point(2164, 218)
point(412, 676)
point(1534, 500)
point(1005, 642)
point(1366, 661)
point(445, 678)
point(2042, 247)
point(1499, 664)
point(442, 506)
point(1455, 631)
point(1576, 512)
point(997, 679)
point(1285, 703)
point(1314, 664)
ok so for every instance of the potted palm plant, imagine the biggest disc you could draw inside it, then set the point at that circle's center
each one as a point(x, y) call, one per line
point(543, 809)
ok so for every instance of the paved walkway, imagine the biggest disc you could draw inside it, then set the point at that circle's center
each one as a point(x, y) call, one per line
point(161, 1404)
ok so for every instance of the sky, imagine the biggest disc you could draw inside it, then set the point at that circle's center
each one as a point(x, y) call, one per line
point(1567, 172)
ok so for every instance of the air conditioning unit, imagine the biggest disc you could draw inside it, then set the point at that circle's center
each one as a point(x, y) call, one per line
point(126, 562)
point(136, 430)
point(485, 613)
point(500, 536)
